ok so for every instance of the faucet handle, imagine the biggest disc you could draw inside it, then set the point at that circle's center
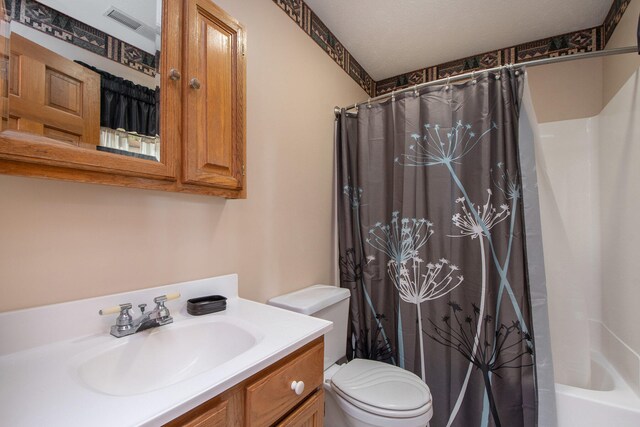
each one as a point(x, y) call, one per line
point(142, 307)
point(115, 309)
point(167, 297)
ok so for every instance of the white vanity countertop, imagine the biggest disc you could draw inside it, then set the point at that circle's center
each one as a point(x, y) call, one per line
point(41, 349)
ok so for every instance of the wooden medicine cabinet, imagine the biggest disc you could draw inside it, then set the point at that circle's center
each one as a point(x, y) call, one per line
point(151, 95)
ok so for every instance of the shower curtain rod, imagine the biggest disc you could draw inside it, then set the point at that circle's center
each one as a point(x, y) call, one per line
point(532, 63)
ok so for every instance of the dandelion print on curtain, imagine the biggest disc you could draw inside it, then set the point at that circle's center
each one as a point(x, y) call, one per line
point(431, 238)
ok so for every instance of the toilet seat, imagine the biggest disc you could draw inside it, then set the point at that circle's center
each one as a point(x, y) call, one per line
point(381, 389)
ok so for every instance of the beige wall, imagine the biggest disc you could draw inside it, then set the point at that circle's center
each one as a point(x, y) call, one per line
point(566, 90)
point(582, 88)
point(62, 241)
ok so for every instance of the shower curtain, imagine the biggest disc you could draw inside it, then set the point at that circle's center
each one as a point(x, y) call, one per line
point(434, 246)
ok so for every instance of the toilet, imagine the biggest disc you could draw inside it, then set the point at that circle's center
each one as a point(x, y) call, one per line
point(359, 393)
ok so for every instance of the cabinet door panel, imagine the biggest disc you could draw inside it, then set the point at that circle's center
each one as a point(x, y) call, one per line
point(214, 98)
point(218, 79)
point(216, 417)
point(309, 414)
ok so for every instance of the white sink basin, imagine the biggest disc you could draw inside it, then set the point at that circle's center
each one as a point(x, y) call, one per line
point(162, 356)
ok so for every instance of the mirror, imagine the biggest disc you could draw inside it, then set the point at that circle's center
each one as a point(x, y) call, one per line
point(85, 73)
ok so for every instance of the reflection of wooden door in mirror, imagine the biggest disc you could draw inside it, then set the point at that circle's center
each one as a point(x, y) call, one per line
point(52, 96)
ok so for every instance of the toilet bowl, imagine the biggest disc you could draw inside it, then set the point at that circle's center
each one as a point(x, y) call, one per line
point(369, 393)
point(359, 393)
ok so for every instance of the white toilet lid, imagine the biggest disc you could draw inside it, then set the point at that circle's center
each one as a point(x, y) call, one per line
point(382, 389)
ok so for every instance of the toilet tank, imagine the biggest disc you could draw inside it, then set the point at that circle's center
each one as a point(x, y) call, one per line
point(324, 302)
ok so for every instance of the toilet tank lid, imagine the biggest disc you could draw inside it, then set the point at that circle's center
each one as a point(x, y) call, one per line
point(310, 300)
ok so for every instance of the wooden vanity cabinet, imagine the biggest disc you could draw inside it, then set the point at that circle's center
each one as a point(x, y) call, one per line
point(266, 398)
point(202, 115)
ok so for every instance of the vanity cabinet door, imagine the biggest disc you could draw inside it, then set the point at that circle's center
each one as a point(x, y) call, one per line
point(309, 414)
point(215, 417)
point(225, 410)
point(213, 99)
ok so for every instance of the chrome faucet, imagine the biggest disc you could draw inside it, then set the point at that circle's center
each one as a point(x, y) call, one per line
point(127, 325)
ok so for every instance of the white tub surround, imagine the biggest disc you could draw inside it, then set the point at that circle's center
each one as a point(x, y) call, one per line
point(608, 400)
point(589, 203)
point(619, 154)
point(44, 348)
point(568, 183)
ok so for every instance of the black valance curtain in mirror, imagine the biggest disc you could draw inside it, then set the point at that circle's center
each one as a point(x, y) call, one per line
point(126, 105)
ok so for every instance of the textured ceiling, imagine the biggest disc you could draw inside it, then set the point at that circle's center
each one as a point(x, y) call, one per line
point(393, 37)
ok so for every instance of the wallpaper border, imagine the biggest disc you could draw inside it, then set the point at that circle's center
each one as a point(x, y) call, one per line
point(47, 20)
point(313, 26)
point(587, 40)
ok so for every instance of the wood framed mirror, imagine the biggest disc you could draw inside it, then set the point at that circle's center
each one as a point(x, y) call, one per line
point(87, 89)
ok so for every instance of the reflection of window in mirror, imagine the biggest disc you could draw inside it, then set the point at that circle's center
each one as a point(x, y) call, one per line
point(85, 72)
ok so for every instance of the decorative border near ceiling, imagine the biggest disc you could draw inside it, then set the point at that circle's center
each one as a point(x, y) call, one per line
point(63, 27)
point(587, 40)
point(309, 22)
point(613, 17)
point(566, 44)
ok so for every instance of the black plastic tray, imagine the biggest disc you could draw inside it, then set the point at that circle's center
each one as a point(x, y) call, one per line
point(206, 305)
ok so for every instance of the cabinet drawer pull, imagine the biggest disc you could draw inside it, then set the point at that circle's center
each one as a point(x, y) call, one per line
point(297, 387)
point(194, 83)
point(174, 74)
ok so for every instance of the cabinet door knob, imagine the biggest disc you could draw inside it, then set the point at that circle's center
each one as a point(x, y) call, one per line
point(194, 83)
point(297, 387)
point(174, 74)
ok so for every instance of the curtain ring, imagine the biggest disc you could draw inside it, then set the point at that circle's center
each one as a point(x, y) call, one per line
point(415, 90)
point(498, 75)
point(355, 106)
point(393, 95)
point(369, 103)
point(473, 77)
point(448, 80)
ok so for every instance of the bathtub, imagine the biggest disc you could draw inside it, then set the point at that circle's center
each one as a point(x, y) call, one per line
point(607, 401)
